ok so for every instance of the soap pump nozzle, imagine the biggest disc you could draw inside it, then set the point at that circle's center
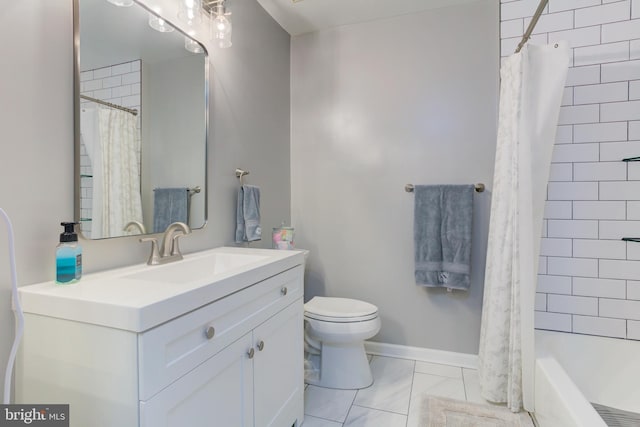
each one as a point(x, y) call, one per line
point(69, 234)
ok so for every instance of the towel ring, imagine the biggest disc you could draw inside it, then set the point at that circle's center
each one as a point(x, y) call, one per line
point(240, 173)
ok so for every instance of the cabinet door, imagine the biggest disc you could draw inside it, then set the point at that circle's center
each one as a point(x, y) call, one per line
point(218, 393)
point(278, 369)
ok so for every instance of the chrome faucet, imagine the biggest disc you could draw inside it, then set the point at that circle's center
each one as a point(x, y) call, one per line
point(169, 251)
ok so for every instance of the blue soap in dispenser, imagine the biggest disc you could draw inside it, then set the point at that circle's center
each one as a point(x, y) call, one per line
point(68, 256)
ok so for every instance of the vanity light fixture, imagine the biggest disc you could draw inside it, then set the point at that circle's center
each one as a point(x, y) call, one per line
point(121, 3)
point(158, 23)
point(191, 45)
point(190, 12)
point(220, 23)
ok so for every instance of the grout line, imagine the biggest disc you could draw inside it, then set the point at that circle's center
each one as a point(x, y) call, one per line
point(377, 409)
point(464, 385)
point(350, 407)
point(413, 378)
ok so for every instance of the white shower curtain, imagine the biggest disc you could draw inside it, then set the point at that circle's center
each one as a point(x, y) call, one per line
point(532, 83)
point(120, 147)
point(112, 141)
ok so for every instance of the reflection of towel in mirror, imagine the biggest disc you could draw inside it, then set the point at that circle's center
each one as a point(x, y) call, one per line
point(248, 214)
point(442, 235)
point(169, 205)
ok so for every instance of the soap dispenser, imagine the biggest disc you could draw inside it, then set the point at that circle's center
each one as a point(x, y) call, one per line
point(68, 255)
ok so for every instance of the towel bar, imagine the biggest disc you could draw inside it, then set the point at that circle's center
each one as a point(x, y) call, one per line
point(192, 190)
point(479, 188)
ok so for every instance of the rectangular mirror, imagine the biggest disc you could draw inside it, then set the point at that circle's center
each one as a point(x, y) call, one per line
point(141, 117)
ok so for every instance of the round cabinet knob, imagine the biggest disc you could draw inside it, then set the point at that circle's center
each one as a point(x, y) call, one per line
point(283, 291)
point(261, 345)
point(210, 332)
point(250, 353)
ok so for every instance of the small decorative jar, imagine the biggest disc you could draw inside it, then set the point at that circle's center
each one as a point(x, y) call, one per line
point(283, 237)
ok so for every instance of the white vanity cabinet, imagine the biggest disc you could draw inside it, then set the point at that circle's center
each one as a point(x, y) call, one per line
point(233, 362)
point(241, 385)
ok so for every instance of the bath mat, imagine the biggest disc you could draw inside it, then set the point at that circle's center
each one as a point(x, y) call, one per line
point(617, 417)
point(442, 412)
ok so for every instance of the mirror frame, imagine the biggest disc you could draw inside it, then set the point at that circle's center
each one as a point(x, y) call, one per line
point(76, 121)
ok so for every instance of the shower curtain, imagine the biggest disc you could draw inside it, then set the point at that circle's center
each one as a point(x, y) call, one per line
point(112, 141)
point(532, 83)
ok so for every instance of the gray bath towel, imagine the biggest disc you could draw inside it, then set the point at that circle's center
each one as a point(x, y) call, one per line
point(248, 214)
point(169, 205)
point(442, 235)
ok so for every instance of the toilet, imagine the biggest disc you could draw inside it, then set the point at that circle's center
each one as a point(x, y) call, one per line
point(335, 331)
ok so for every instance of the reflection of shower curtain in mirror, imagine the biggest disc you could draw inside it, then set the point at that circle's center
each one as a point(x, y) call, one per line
point(112, 142)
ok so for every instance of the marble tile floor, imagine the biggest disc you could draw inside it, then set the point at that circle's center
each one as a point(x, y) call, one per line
point(393, 399)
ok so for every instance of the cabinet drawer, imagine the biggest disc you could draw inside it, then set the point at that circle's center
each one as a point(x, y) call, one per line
point(169, 351)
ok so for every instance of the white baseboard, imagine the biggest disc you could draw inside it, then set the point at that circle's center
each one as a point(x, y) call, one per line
point(423, 354)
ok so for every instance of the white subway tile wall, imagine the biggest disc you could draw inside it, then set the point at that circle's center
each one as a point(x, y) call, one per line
point(118, 84)
point(589, 279)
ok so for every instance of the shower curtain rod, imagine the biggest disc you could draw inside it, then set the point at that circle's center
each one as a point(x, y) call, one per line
point(534, 20)
point(108, 104)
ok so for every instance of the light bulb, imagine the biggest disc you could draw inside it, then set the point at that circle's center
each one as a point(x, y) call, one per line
point(121, 3)
point(221, 30)
point(192, 46)
point(190, 12)
point(159, 24)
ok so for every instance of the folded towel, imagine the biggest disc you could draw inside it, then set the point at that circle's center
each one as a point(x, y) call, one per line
point(169, 205)
point(248, 214)
point(442, 235)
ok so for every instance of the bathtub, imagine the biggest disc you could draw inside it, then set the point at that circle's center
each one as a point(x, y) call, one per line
point(573, 370)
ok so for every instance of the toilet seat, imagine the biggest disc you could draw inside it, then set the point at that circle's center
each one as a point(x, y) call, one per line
point(339, 310)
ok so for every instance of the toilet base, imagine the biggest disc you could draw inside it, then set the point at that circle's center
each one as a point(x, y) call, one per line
point(342, 366)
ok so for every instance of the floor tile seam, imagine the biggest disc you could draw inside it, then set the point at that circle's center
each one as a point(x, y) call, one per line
point(327, 419)
point(421, 360)
point(464, 386)
point(413, 378)
point(323, 419)
point(350, 406)
point(381, 410)
point(438, 375)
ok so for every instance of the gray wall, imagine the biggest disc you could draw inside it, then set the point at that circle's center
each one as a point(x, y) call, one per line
point(249, 128)
point(174, 145)
point(411, 99)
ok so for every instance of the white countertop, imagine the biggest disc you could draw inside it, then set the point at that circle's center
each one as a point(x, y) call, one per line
point(140, 297)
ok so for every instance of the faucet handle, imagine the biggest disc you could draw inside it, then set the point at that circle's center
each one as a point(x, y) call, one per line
point(175, 248)
point(154, 258)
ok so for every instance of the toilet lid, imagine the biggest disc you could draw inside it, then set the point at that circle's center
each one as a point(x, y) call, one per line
point(324, 308)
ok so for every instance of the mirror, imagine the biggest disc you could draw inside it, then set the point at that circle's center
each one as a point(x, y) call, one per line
point(141, 109)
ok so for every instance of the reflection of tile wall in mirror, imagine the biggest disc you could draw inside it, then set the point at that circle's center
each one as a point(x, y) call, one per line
point(119, 84)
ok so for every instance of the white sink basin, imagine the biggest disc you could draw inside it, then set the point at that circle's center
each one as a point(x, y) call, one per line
point(196, 268)
point(140, 297)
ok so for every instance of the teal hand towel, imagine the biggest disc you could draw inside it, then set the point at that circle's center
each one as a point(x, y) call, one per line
point(443, 216)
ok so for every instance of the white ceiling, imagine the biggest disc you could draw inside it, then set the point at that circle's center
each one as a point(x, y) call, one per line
point(305, 16)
